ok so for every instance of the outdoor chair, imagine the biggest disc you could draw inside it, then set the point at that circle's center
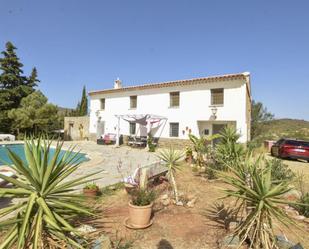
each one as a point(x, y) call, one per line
point(109, 138)
point(137, 141)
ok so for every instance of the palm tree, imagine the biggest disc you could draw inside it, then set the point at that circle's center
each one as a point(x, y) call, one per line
point(47, 201)
point(172, 160)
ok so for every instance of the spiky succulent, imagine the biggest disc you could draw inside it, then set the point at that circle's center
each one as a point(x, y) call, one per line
point(47, 199)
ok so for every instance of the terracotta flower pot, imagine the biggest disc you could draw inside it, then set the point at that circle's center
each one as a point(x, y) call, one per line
point(90, 192)
point(139, 216)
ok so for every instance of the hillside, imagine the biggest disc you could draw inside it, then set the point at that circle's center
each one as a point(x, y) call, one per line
point(63, 111)
point(289, 128)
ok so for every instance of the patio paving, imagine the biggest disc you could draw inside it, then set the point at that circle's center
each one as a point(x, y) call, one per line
point(107, 158)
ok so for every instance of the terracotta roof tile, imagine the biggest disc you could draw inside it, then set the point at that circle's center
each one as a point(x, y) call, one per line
point(174, 83)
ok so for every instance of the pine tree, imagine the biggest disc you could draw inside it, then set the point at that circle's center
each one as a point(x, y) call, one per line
point(13, 85)
point(33, 79)
point(83, 108)
point(11, 68)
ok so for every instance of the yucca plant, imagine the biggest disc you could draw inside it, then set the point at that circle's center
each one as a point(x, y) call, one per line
point(259, 202)
point(47, 203)
point(172, 160)
point(228, 151)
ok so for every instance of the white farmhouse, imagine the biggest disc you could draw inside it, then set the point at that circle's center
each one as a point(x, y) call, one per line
point(172, 110)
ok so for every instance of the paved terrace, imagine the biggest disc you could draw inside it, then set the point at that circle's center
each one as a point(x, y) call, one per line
point(107, 158)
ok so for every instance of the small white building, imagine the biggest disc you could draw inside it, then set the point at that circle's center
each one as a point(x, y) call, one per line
point(172, 110)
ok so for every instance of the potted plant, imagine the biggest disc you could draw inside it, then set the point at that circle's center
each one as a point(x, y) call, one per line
point(140, 208)
point(140, 205)
point(91, 190)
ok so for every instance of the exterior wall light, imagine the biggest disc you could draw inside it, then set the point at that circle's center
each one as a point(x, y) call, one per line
point(214, 112)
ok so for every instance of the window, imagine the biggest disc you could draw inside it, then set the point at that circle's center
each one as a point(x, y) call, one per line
point(102, 104)
point(174, 129)
point(133, 102)
point(217, 96)
point(174, 99)
point(132, 128)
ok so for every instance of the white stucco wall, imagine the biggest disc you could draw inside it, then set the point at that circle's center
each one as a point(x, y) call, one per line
point(194, 106)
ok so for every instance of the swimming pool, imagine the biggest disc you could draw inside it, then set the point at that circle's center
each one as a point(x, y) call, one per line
point(19, 150)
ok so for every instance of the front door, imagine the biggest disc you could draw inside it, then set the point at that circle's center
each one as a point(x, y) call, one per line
point(100, 128)
point(216, 129)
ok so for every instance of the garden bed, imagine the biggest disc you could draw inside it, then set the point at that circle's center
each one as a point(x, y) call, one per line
point(174, 226)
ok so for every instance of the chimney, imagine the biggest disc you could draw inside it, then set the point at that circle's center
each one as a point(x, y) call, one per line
point(117, 84)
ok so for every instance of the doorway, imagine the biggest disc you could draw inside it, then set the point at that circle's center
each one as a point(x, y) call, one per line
point(217, 129)
point(100, 128)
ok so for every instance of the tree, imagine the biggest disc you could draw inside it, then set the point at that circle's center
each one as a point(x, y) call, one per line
point(34, 115)
point(13, 85)
point(259, 114)
point(33, 79)
point(83, 108)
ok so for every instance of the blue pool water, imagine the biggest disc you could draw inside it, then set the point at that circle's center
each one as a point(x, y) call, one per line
point(19, 150)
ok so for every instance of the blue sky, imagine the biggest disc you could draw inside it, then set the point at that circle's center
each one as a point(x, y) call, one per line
point(76, 43)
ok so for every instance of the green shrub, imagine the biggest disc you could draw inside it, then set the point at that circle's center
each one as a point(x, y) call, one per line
point(92, 186)
point(142, 197)
point(279, 170)
point(303, 209)
point(151, 145)
point(202, 148)
point(228, 151)
point(189, 152)
point(253, 145)
point(211, 171)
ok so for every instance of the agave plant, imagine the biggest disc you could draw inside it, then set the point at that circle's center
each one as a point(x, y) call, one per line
point(47, 201)
point(260, 201)
point(172, 160)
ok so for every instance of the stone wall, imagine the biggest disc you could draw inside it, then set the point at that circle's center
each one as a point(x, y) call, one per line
point(93, 137)
point(162, 143)
point(174, 143)
point(76, 128)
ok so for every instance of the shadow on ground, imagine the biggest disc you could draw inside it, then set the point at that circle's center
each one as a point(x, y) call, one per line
point(221, 214)
point(164, 244)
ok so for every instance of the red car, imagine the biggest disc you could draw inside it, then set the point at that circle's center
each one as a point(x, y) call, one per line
point(291, 148)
